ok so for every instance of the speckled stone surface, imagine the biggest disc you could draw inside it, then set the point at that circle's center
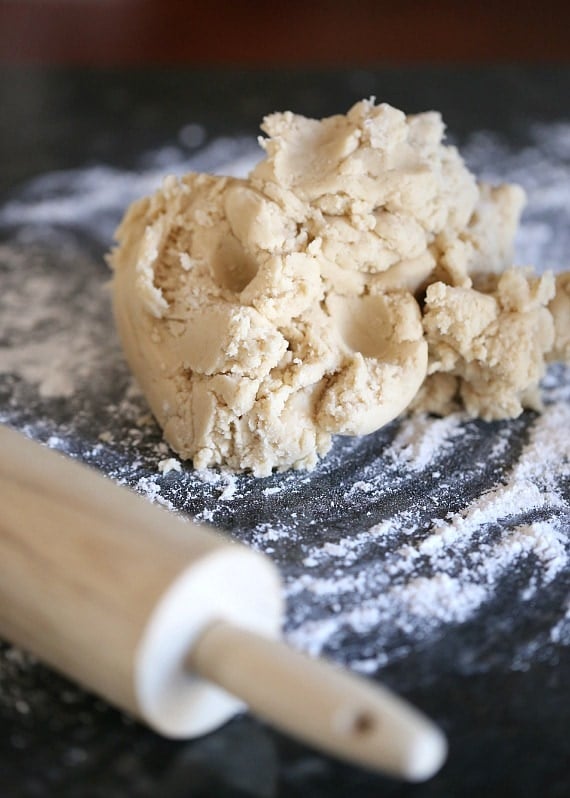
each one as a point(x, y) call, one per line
point(497, 679)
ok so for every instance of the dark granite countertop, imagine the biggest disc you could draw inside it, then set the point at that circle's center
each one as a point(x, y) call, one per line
point(75, 146)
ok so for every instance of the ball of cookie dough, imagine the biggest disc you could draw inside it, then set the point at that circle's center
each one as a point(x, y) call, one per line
point(263, 316)
point(245, 358)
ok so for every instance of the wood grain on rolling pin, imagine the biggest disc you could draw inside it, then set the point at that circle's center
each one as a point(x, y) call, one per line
point(87, 567)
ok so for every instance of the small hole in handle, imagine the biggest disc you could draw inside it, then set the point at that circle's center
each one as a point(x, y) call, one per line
point(354, 722)
point(363, 723)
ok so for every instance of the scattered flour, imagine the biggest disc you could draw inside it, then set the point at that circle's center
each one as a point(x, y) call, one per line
point(467, 553)
point(357, 559)
point(422, 436)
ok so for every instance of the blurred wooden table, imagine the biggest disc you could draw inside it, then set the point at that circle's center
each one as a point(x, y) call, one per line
point(255, 32)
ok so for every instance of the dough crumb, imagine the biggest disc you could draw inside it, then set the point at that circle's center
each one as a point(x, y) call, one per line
point(359, 271)
point(169, 464)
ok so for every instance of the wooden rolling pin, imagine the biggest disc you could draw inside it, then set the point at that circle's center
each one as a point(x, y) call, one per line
point(172, 622)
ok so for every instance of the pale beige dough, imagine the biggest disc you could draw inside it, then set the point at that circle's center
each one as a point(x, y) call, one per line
point(262, 316)
point(492, 344)
point(560, 309)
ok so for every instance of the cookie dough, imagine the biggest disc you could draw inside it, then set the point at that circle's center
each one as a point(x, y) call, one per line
point(262, 316)
point(489, 347)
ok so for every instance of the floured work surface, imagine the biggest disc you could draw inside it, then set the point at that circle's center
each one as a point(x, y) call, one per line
point(433, 554)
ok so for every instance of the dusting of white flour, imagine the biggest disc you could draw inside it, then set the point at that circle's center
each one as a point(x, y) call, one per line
point(394, 571)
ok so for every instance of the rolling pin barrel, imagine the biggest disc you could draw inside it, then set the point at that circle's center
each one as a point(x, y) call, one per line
point(171, 621)
point(113, 592)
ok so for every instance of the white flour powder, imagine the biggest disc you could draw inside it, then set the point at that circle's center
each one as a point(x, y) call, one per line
point(407, 573)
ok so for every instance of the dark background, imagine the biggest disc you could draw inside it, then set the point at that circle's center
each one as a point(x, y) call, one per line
point(291, 32)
